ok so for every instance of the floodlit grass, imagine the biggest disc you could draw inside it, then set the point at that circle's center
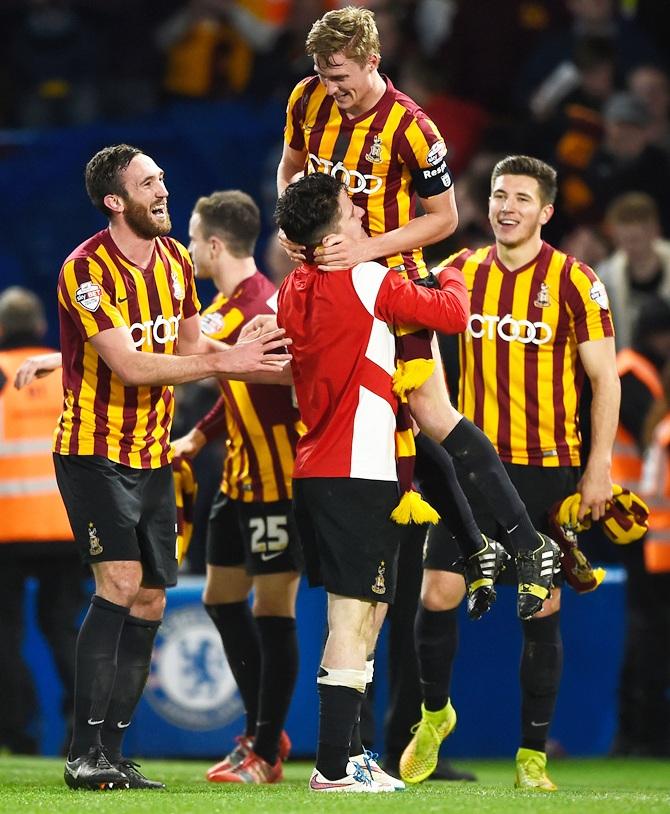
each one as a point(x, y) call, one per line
point(603, 786)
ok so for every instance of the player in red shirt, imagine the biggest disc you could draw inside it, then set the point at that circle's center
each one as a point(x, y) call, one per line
point(345, 477)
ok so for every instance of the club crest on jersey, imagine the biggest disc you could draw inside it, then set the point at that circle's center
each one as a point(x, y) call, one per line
point(212, 324)
point(599, 295)
point(94, 547)
point(542, 299)
point(89, 295)
point(437, 153)
point(177, 287)
point(379, 586)
point(374, 154)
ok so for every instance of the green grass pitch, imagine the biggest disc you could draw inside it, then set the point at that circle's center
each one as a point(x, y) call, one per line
point(604, 786)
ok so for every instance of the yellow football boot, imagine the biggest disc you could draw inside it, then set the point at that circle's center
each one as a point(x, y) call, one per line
point(419, 759)
point(531, 771)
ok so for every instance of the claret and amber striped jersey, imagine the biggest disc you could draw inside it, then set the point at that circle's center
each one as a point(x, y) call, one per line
point(98, 289)
point(520, 373)
point(260, 420)
point(385, 157)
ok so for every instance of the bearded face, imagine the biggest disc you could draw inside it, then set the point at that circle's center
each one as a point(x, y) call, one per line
point(147, 220)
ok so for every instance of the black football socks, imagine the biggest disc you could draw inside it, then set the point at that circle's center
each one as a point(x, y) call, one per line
point(279, 671)
point(241, 643)
point(95, 671)
point(132, 670)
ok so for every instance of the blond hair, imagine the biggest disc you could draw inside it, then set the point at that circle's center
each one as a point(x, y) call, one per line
point(350, 30)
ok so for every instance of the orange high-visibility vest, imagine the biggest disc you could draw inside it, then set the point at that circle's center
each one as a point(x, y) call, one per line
point(626, 458)
point(31, 509)
point(655, 488)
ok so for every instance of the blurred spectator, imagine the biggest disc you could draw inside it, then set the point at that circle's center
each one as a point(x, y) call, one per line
point(54, 65)
point(218, 48)
point(626, 161)
point(35, 535)
point(555, 51)
point(461, 122)
point(482, 50)
point(570, 126)
point(652, 84)
point(206, 56)
point(587, 243)
point(433, 22)
point(587, 80)
point(639, 270)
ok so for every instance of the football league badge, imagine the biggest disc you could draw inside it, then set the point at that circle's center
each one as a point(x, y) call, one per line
point(89, 295)
point(379, 586)
point(94, 547)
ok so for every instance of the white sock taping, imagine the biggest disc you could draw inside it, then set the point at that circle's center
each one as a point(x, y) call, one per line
point(369, 670)
point(355, 679)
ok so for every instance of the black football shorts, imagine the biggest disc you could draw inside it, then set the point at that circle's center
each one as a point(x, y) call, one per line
point(262, 537)
point(120, 513)
point(350, 543)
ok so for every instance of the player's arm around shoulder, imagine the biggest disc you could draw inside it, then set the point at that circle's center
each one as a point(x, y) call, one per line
point(443, 305)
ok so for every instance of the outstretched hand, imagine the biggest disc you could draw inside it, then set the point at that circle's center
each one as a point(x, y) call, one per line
point(35, 367)
point(258, 354)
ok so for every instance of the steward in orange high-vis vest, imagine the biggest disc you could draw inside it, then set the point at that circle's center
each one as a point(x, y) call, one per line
point(30, 504)
point(35, 536)
point(626, 454)
point(643, 701)
point(656, 488)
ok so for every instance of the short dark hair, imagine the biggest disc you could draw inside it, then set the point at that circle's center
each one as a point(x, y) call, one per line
point(544, 174)
point(233, 216)
point(309, 208)
point(103, 173)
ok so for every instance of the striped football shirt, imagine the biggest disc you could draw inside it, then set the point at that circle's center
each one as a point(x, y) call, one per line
point(385, 157)
point(520, 373)
point(259, 420)
point(98, 289)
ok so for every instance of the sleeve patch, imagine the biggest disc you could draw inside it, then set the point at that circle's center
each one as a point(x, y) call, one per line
point(437, 153)
point(212, 324)
point(89, 296)
point(599, 295)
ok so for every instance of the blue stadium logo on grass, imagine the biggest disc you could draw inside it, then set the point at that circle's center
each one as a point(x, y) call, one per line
point(190, 683)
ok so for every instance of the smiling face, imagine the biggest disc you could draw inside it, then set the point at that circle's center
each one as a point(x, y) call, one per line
point(145, 198)
point(516, 211)
point(354, 87)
